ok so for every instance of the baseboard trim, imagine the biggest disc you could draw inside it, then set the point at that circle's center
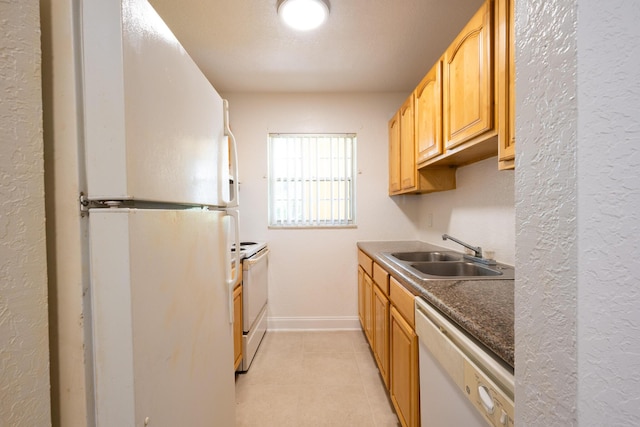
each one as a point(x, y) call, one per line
point(331, 323)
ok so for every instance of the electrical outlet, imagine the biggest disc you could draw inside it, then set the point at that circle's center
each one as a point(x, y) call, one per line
point(429, 219)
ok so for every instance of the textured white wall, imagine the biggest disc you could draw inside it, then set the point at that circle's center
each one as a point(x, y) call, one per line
point(546, 197)
point(577, 203)
point(480, 211)
point(313, 272)
point(608, 156)
point(24, 350)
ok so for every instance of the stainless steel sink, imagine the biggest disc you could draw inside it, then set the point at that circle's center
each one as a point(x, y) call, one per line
point(455, 269)
point(427, 256)
point(445, 265)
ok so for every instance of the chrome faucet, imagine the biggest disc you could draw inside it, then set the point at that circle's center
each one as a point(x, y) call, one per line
point(476, 249)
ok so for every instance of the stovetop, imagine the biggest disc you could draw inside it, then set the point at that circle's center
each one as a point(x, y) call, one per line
point(248, 249)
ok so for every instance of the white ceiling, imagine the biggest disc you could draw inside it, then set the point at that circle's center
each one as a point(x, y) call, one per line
point(365, 46)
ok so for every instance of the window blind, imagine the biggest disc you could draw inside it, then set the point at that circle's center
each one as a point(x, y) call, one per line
point(312, 180)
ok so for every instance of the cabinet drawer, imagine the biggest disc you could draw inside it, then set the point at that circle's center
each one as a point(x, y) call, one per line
point(403, 300)
point(381, 277)
point(365, 262)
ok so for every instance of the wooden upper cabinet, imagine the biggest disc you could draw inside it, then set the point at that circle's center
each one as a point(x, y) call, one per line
point(404, 176)
point(505, 33)
point(463, 109)
point(407, 146)
point(468, 81)
point(394, 154)
point(428, 114)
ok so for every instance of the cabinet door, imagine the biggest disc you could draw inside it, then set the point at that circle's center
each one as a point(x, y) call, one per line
point(506, 84)
point(365, 295)
point(381, 332)
point(368, 318)
point(428, 114)
point(361, 297)
point(407, 146)
point(468, 86)
point(394, 154)
point(237, 326)
point(404, 370)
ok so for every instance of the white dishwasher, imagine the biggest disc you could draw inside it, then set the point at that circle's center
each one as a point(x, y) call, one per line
point(460, 383)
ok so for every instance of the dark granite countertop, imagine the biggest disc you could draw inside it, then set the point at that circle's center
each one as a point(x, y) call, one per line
point(482, 308)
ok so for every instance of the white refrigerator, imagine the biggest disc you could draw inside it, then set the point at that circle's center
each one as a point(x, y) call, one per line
point(161, 222)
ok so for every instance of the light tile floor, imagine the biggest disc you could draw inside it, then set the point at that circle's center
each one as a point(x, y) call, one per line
point(313, 379)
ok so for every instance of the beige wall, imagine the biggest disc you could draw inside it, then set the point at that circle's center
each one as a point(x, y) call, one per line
point(480, 211)
point(313, 273)
point(24, 344)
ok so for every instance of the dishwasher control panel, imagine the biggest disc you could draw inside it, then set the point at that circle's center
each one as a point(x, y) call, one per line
point(493, 404)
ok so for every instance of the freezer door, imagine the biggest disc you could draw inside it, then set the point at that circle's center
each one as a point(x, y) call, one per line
point(154, 125)
point(162, 341)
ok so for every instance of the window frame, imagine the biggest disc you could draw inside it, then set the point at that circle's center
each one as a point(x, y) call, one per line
point(343, 181)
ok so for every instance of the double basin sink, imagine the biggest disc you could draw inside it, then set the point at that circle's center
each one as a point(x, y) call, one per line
point(449, 265)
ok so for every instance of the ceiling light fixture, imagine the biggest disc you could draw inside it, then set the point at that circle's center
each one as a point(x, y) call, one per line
point(303, 15)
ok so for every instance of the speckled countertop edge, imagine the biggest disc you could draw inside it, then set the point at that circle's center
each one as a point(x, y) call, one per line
point(483, 308)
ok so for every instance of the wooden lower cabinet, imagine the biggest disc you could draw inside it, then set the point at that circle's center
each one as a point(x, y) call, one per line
point(365, 294)
point(368, 318)
point(361, 296)
point(385, 309)
point(237, 326)
point(403, 370)
point(381, 332)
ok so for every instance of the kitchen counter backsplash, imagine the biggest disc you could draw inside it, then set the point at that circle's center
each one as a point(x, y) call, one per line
point(483, 308)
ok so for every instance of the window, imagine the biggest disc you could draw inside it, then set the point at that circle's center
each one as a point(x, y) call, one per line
point(312, 180)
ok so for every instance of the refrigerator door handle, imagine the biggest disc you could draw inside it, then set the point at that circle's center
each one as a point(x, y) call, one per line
point(233, 152)
point(231, 274)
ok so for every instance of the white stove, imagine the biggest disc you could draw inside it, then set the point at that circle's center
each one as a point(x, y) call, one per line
point(249, 249)
point(255, 281)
